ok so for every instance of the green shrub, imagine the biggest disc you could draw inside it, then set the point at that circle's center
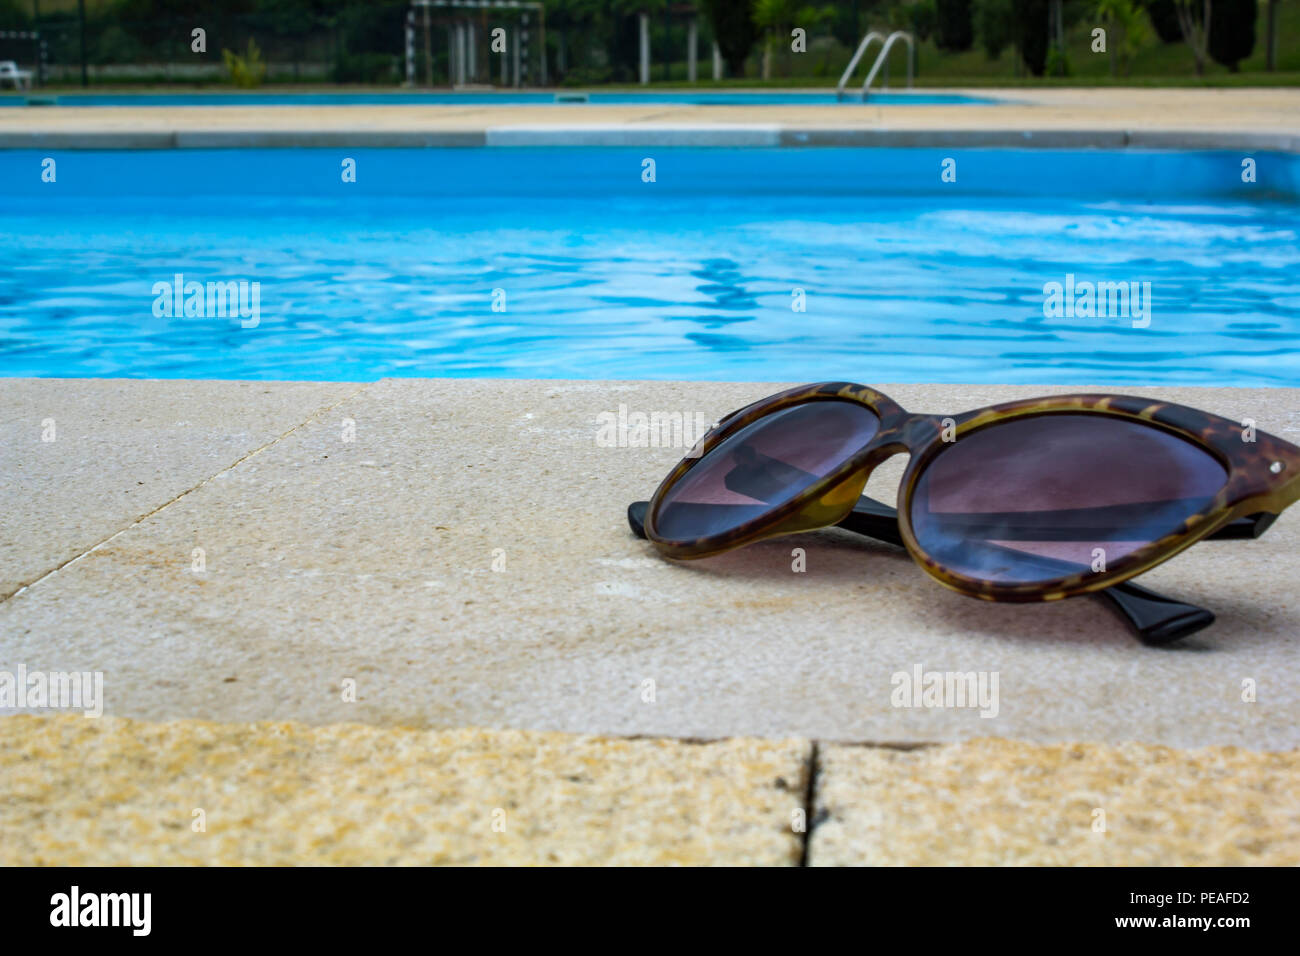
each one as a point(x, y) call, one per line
point(246, 71)
point(1058, 63)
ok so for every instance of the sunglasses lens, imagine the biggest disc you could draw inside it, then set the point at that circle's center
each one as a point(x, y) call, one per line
point(762, 466)
point(1039, 499)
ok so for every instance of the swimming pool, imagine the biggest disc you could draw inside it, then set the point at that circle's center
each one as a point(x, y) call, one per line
point(491, 98)
point(565, 262)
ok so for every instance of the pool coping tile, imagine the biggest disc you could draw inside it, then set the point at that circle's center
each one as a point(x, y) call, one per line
point(759, 135)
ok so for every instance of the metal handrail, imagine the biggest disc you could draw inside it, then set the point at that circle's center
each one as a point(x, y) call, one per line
point(883, 55)
point(853, 63)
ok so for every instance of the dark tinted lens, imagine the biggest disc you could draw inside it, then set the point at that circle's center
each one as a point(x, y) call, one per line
point(762, 466)
point(1040, 499)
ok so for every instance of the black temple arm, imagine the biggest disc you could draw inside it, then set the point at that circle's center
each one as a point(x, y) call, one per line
point(1251, 526)
point(636, 517)
point(873, 519)
point(1154, 618)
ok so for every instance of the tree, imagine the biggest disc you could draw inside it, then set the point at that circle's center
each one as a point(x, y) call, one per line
point(847, 25)
point(954, 31)
point(1194, 21)
point(1031, 33)
point(14, 14)
point(625, 34)
point(995, 23)
point(1232, 31)
point(776, 18)
point(922, 18)
point(1123, 18)
point(573, 27)
point(1270, 37)
point(734, 30)
point(1164, 17)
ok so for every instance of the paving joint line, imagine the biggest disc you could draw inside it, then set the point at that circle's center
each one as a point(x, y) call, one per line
point(184, 494)
point(651, 117)
point(810, 822)
point(903, 746)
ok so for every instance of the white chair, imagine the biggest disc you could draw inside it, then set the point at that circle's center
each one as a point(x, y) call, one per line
point(22, 79)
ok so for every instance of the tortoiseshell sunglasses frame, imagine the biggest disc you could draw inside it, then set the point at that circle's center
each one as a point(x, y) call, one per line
point(1263, 479)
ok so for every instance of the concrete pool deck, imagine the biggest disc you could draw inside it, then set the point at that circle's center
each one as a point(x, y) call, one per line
point(1062, 118)
point(458, 549)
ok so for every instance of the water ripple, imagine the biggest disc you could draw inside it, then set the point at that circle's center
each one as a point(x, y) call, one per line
point(676, 288)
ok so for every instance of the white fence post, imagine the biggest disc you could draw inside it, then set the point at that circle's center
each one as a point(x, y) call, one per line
point(692, 42)
point(644, 22)
point(410, 48)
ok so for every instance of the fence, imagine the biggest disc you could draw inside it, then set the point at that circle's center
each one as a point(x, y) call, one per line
point(386, 43)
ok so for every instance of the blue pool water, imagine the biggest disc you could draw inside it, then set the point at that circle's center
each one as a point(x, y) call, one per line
point(693, 276)
point(487, 98)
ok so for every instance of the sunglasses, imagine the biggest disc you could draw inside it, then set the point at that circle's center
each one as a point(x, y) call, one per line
point(1034, 500)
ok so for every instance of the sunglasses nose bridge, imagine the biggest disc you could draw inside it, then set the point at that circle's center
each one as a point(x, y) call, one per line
point(910, 433)
point(879, 450)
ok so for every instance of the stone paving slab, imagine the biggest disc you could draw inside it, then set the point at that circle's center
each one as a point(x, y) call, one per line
point(111, 792)
point(123, 792)
point(82, 460)
point(998, 802)
point(373, 560)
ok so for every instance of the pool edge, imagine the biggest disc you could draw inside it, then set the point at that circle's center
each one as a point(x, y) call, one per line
point(762, 135)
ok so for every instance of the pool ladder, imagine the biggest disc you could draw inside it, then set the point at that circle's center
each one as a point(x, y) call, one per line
point(887, 43)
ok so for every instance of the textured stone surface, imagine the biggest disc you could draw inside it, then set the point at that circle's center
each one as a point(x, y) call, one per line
point(994, 802)
point(117, 792)
point(373, 560)
point(120, 450)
